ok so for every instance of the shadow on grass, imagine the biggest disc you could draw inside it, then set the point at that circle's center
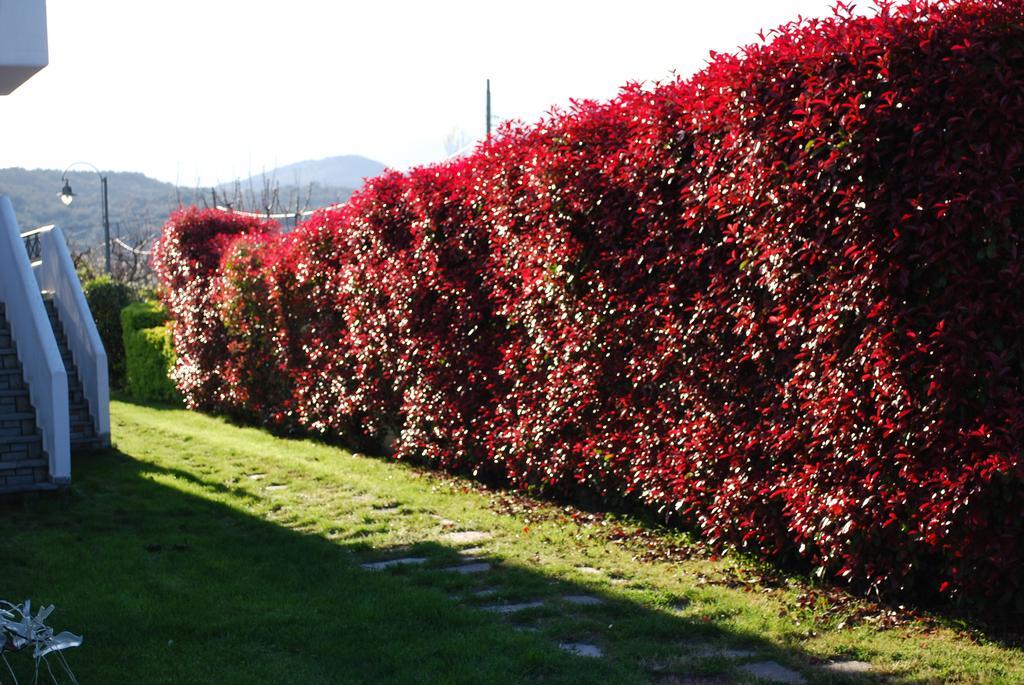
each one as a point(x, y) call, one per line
point(171, 587)
point(998, 623)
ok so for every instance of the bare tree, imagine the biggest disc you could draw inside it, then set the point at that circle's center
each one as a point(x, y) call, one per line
point(129, 259)
point(268, 198)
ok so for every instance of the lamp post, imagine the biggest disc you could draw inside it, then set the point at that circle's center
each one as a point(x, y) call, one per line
point(66, 196)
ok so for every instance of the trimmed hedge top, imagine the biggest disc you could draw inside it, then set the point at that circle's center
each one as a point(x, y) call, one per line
point(140, 315)
point(778, 301)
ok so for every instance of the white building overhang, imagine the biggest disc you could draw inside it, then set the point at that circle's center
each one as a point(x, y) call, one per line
point(23, 47)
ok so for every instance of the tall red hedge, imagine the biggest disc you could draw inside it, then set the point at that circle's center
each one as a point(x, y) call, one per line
point(779, 301)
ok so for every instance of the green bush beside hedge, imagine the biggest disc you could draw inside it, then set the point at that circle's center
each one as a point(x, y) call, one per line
point(149, 354)
point(106, 298)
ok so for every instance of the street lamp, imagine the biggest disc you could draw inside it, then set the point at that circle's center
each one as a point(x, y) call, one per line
point(67, 196)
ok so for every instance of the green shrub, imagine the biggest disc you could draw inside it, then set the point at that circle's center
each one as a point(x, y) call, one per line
point(141, 315)
point(149, 354)
point(106, 298)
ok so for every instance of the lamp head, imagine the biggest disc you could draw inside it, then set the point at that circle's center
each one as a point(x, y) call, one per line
point(66, 196)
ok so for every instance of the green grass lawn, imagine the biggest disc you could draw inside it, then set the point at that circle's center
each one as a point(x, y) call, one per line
point(201, 552)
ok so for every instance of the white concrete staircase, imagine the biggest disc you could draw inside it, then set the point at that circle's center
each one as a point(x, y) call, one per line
point(23, 464)
point(54, 395)
point(82, 424)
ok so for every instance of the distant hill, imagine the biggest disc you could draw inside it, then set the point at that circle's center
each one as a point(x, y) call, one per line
point(136, 202)
point(344, 171)
point(139, 205)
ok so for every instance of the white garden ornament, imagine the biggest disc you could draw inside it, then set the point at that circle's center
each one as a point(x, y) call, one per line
point(21, 631)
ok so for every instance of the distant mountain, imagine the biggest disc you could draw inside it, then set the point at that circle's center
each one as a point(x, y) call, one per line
point(139, 205)
point(344, 171)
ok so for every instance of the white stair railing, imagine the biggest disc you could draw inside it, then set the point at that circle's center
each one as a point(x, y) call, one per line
point(55, 273)
point(42, 366)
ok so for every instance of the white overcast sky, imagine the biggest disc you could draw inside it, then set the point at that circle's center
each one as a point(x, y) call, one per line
point(201, 91)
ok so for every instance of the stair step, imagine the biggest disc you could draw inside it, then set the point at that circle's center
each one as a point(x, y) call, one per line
point(34, 487)
point(23, 464)
point(85, 445)
point(83, 435)
point(17, 416)
point(22, 439)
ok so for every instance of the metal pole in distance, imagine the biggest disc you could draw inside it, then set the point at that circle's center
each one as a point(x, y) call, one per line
point(106, 223)
point(488, 109)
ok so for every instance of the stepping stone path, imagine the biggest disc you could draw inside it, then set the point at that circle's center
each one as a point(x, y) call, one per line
point(466, 537)
point(582, 649)
point(391, 563)
point(505, 609)
point(445, 523)
point(466, 569)
point(847, 667)
point(773, 672)
point(767, 671)
point(277, 487)
point(705, 651)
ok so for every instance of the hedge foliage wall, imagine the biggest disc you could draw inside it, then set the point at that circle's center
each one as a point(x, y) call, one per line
point(149, 353)
point(779, 301)
point(106, 298)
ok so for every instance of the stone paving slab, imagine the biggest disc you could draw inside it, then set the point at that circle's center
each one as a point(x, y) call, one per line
point(726, 653)
point(582, 600)
point(847, 667)
point(773, 672)
point(466, 569)
point(707, 650)
point(513, 608)
point(466, 537)
point(582, 649)
point(445, 523)
point(677, 679)
point(391, 563)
